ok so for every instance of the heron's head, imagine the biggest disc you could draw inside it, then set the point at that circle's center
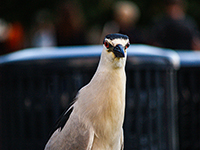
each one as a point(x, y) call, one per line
point(115, 49)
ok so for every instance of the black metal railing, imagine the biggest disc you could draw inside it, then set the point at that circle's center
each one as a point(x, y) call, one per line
point(36, 85)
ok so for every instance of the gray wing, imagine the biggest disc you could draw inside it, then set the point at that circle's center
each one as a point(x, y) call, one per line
point(75, 135)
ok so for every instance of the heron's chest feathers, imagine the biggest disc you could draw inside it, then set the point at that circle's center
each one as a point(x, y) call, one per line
point(105, 105)
point(109, 92)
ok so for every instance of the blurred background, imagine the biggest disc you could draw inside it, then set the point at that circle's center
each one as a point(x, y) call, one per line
point(40, 23)
point(57, 52)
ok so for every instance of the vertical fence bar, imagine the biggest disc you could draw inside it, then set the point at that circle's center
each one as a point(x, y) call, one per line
point(149, 103)
point(6, 111)
point(55, 100)
point(31, 96)
point(44, 108)
point(20, 101)
point(138, 110)
point(160, 99)
point(194, 110)
point(171, 110)
point(12, 109)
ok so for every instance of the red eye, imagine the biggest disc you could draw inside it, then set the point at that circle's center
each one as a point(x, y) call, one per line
point(106, 44)
point(127, 45)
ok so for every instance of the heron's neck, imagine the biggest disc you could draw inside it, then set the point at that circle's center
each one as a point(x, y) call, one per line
point(109, 65)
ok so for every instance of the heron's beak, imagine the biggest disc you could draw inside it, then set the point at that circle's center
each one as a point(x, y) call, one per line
point(119, 51)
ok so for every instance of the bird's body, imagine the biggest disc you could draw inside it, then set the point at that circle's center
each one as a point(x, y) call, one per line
point(97, 115)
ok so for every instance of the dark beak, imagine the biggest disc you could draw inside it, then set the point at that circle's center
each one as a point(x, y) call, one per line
point(119, 51)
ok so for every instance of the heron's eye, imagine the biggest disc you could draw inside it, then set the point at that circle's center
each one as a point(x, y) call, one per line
point(127, 45)
point(107, 45)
